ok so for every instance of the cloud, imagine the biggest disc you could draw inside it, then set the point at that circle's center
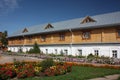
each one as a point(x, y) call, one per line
point(8, 5)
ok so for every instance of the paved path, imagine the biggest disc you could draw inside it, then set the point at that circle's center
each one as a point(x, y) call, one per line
point(7, 59)
point(109, 77)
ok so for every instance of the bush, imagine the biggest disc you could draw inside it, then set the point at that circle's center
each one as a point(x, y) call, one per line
point(35, 49)
point(90, 56)
point(46, 64)
point(7, 73)
point(25, 71)
point(18, 63)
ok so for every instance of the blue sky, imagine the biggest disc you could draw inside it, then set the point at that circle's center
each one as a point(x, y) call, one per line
point(18, 14)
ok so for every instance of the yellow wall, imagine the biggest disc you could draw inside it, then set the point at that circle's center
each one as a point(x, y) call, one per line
point(97, 35)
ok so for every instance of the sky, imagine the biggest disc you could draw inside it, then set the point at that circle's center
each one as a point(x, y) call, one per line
point(18, 14)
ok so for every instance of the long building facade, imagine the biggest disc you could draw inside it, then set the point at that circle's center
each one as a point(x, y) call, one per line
point(99, 35)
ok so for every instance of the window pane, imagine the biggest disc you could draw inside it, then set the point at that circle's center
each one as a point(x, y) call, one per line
point(86, 35)
point(66, 51)
point(80, 52)
point(118, 33)
point(62, 36)
point(43, 38)
point(96, 52)
point(114, 53)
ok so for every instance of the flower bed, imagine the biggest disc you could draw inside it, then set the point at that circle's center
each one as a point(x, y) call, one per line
point(94, 65)
point(31, 69)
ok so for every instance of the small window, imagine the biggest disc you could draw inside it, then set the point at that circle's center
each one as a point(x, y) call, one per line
point(80, 52)
point(114, 53)
point(30, 38)
point(25, 30)
point(96, 52)
point(21, 39)
point(62, 37)
point(43, 38)
point(55, 51)
point(48, 26)
point(118, 33)
point(12, 42)
point(86, 35)
point(87, 19)
point(66, 52)
point(46, 51)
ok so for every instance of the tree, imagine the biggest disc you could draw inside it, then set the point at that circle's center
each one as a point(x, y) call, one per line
point(4, 39)
point(35, 49)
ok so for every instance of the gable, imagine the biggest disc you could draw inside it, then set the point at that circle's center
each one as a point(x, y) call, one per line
point(87, 20)
point(25, 30)
point(49, 26)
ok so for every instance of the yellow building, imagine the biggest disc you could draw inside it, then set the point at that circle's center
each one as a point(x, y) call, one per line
point(99, 35)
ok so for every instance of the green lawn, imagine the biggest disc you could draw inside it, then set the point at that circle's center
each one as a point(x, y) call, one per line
point(80, 73)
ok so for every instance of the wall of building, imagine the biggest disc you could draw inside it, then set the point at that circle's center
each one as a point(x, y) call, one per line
point(102, 35)
point(104, 49)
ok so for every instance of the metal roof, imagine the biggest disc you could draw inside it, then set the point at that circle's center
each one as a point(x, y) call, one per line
point(103, 20)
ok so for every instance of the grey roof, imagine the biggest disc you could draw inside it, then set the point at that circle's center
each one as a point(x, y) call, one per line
point(103, 20)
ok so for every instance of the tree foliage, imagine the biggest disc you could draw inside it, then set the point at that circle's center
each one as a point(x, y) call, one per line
point(35, 49)
point(4, 39)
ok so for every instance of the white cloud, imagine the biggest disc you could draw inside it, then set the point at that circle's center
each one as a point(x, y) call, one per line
point(8, 5)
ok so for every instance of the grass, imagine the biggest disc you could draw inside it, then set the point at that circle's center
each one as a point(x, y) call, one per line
point(80, 73)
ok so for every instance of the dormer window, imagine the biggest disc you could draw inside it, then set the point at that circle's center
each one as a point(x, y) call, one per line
point(87, 20)
point(48, 26)
point(25, 30)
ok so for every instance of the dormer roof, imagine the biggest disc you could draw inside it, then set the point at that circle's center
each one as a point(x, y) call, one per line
point(87, 20)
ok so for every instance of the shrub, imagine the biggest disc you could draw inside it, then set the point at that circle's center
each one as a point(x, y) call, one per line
point(57, 70)
point(35, 49)
point(9, 51)
point(25, 71)
point(47, 63)
point(90, 56)
point(6, 73)
point(18, 63)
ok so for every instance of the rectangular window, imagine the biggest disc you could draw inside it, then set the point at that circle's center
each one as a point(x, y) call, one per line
point(86, 35)
point(43, 38)
point(20, 40)
point(62, 37)
point(55, 51)
point(66, 52)
point(114, 53)
point(96, 52)
point(30, 39)
point(12, 41)
point(118, 33)
point(46, 51)
point(80, 52)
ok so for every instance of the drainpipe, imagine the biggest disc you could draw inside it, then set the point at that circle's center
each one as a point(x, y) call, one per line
point(71, 40)
point(23, 43)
